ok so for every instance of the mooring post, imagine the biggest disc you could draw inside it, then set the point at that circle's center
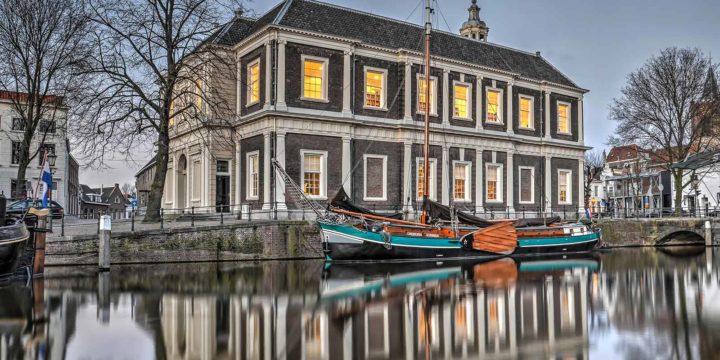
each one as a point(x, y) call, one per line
point(708, 233)
point(40, 235)
point(104, 245)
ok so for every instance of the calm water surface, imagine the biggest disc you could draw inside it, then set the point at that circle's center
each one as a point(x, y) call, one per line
point(622, 304)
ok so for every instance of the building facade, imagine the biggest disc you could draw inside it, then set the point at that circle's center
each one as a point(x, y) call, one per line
point(103, 201)
point(143, 182)
point(336, 96)
point(51, 135)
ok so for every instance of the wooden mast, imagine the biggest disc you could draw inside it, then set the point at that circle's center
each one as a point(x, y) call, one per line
point(426, 146)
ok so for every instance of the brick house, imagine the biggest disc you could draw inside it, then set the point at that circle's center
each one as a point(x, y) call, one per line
point(332, 94)
point(103, 201)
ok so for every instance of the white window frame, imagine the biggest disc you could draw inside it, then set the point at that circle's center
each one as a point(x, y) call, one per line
point(248, 102)
point(569, 117)
point(433, 93)
point(325, 78)
point(432, 193)
point(531, 114)
point(384, 179)
point(468, 181)
point(532, 184)
point(248, 176)
point(383, 92)
point(323, 171)
point(468, 100)
point(569, 174)
point(501, 104)
point(499, 179)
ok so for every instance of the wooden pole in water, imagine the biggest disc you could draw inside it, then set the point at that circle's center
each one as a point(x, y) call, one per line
point(104, 243)
point(428, 107)
point(40, 236)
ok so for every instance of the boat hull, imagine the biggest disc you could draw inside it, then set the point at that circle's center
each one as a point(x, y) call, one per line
point(13, 240)
point(347, 243)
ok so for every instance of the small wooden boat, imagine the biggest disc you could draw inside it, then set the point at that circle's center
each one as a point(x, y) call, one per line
point(13, 239)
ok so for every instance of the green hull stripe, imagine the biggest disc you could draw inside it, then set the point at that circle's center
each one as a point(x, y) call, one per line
point(450, 243)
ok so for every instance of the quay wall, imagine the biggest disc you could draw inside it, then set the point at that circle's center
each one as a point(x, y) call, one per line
point(659, 232)
point(261, 240)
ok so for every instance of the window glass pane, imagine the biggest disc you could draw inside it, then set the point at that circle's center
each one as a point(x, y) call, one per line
point(254, 82)
point(461, 101)
point(493, 106)
point(222, 166)
point(374, 168)
point(373, 89)
point(563, 186)
point(492, 182)
point(312, 174)
point(16, 147)
point(460, 181)
point(254, 181)
point(313, 82)
point(526, 184)
point(525, 112)
point(421, 179)
point(422, 92)
point(563, 118)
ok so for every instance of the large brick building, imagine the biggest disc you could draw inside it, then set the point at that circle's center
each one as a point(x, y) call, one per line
point(332, 94)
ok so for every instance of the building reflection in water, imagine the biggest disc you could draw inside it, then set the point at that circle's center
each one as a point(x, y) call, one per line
point(629, 304)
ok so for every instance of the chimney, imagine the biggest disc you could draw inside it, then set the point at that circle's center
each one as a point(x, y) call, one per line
point(239, 12)
point(537, 53)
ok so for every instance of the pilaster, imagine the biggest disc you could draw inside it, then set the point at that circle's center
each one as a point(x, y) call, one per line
point(407, 177)
point(346, 166)
point(347, 86)
point(479, 180)
point(267, 171)
point(547, 115)
point(479, 103)
point(268, 75)
point(279, 183)
point(510, 120)
point(238, 175)
point(281, 105)
point(581, 121)
point(445, 189)
point(581, 185)
point(548, 183)
point(446, 97)
point(511, 181)
point(408, 92)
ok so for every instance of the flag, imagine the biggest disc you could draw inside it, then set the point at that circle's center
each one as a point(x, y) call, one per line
point(46, 183)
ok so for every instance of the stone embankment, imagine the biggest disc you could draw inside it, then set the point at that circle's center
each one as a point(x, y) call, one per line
point(260, 240)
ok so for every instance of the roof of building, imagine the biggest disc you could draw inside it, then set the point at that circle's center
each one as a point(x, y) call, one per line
point(104, 192)
point(147, 166)
point(623, 153)
point(699, 160)
point(319, 17)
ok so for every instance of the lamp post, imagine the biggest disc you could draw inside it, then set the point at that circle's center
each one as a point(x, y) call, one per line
point(695, 184)
point(51, 158)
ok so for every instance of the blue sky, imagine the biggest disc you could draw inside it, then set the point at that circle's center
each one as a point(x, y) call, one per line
point(595, 43)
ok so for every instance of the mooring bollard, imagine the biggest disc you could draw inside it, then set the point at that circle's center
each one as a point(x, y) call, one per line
point(104, 245)
point(708, 234)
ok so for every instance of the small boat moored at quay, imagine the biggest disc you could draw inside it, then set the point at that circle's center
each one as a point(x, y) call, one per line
point(13, 239)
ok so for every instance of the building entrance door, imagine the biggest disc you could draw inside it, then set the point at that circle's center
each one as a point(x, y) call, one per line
point(222, 195)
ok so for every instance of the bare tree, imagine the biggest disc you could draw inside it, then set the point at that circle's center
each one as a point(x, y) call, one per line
point(154, 59)
point(594, 164)
point(127, 188)
point(42, 46)
point(664, 109)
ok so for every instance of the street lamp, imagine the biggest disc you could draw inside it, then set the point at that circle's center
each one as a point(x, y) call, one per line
point(695, 184)
point(51, 159)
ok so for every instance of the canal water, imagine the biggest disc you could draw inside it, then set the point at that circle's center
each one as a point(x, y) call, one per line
point(619, 304)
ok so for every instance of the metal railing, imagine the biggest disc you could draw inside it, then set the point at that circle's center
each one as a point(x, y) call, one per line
point(655, 212)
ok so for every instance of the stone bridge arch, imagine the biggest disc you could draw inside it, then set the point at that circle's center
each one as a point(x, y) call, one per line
point(654, 231)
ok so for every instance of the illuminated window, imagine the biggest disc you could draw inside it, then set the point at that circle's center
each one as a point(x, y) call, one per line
point(313, 173)
point(253, 82)
point(493, 182)
point(526, 112)
point(461, 181)
point(527, 185)
point(253, 177)
point(420, 180)
point(314, 78)
point(375, 88)
point(422, 94)
point(567, 308)
point(494, 106)
point(563, 118)
point(461, 100)
point(564, 187)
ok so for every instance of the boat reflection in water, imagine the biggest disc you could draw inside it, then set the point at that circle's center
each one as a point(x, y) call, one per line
point(628, 304)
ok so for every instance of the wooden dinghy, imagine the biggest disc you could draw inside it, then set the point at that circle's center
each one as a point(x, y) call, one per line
point(500, 238)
